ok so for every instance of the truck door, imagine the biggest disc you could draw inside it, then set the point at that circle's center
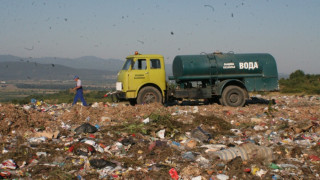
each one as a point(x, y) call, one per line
point(139, 74)
point(156, 73)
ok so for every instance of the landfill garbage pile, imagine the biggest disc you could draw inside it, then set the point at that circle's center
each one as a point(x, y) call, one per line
point(266, 139)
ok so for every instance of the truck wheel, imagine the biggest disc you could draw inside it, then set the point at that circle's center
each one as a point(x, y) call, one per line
point(233, 96)
point(149, 95)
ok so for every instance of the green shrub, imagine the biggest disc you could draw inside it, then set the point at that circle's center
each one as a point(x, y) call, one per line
point(299, 82)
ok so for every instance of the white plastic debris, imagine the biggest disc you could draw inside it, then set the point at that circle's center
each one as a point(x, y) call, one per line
point(98, 148)
point(213, 147)
point(258, 128)
point(89, 142)
point(196, 178)
point(65, 126)
point(147, 120)
point(95, 105)
point(195, 109)
point(222, 177)
point(41, 153)
point(37, 140)
point(261, 172)
point(26, 107)
point(161, 133)
point(4, 151)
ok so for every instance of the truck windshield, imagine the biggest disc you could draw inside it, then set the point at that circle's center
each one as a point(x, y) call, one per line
point(127, 64)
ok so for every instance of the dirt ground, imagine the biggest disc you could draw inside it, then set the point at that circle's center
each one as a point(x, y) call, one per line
point(194, 140)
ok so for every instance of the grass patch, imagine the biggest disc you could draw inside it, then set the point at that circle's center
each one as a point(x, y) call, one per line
point(63, 97)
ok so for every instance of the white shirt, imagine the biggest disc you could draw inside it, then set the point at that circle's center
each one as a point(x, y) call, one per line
point(79, 83)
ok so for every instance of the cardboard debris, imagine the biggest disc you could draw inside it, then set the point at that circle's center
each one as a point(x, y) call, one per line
point(47, 134)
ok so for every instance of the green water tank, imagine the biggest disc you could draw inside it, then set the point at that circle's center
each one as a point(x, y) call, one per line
point(197, 67)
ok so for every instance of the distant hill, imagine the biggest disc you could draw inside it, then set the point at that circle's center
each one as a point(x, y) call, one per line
point(86, 62)
point(35, 71)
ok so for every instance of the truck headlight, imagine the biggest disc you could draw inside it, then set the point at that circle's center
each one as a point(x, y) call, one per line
point(119, 86)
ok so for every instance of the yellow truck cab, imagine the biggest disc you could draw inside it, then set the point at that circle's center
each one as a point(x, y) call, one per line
point(142, 79)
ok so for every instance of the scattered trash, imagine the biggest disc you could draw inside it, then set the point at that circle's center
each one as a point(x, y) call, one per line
point(41, 154)
point(47, 134)
point(201, 134)
point(82, 149)
point(86, 128)
point(147, 120)
point(127, 141)
point(222, 177)
point(246, 152)
point(95, 105)
point(101, 163)
point(150, 141)
point(314, 158)
point(188, 156)
point(161, 133)
point(8, 164)
point(173, 173)
point(38, 140)
point(196, 178)
point(190, 143)
point(78, 162)
point(274, 166)
point(261, 173)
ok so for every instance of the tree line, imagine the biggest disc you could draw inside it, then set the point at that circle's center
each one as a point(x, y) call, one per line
point(299, 82)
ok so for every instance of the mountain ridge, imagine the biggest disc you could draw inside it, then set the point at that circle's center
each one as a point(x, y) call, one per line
point(84, 62)
point(17, 70)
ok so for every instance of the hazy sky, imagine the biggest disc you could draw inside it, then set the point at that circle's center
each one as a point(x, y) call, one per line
point(287, 29)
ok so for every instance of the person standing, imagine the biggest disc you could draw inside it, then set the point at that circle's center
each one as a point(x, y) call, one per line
point(79, 93)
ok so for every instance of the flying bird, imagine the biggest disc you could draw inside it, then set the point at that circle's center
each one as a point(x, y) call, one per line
point(209, 6)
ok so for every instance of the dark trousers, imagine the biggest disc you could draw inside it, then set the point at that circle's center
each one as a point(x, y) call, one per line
point(79, 95)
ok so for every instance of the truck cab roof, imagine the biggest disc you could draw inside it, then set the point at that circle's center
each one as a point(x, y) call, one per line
point(144, 56)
